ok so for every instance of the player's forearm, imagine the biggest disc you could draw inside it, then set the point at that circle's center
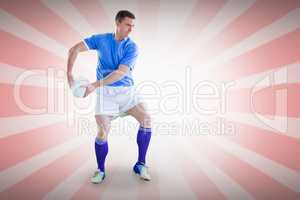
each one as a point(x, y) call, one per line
point(73, 52)
point(71, 59)
point(111, 78)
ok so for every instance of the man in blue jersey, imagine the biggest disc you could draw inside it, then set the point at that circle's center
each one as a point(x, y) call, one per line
point(117, 55)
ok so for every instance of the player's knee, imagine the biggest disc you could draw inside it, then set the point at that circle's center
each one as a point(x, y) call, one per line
point(146, 121)
point(103, 127)
point(102, 133)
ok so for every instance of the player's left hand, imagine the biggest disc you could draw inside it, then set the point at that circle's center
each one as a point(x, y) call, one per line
point(89, 89)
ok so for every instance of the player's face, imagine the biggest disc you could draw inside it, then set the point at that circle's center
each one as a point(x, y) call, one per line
point(125, 27)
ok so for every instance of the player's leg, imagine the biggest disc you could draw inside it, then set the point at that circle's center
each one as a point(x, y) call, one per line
point(101, 146)
point(140, 113)
point(143, 138)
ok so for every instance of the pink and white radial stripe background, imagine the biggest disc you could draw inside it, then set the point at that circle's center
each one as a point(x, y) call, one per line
point(46, 135)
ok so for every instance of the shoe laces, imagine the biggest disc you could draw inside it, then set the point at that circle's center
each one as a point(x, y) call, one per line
point(144, 169)
point(96, 173)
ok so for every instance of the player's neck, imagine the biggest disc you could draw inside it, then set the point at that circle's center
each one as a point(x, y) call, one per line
point(118, 37)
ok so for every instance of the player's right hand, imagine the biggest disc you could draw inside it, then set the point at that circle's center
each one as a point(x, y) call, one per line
point(89, 89)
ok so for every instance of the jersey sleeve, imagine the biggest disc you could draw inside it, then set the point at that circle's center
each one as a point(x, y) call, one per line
point(130, 57)
point(92, 42)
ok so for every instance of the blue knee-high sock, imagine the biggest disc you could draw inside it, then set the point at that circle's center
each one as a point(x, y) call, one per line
point(101, 149)
point(143, 139)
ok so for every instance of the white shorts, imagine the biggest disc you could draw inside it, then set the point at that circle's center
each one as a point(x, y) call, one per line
point(113, 101)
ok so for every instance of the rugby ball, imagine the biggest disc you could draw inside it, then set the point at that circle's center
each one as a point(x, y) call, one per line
point(78, 87)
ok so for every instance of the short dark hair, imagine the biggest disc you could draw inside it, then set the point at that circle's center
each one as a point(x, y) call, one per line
point(122, 14)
